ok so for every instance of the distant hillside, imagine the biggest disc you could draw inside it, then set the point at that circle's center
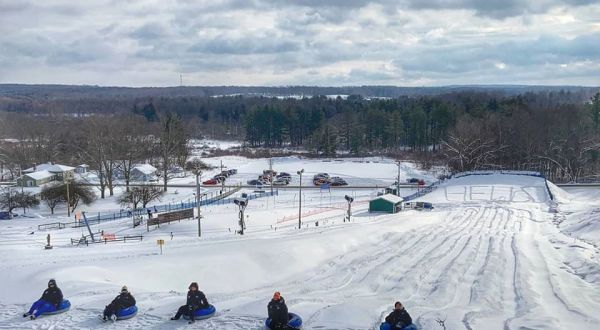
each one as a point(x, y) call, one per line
point(41, 92)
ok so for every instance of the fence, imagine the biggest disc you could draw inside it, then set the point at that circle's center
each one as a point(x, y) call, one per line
point(106, 239)
point(94, 220)
point(511, 172)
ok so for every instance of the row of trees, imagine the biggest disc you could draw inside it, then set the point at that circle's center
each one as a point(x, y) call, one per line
point(550, 132)
point(561, 141)
point(56, 194)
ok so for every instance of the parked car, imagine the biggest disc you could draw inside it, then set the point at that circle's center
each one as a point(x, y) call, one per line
point(321, 176)
point(270, 172)
point(219, 178)
point(280, 182)
point(210, 181)
point(318, 182)
point(337, 181)
point(265, 178)
point(5, 215)
point(254, 183)
point(412, 180)
point(232, 171)
point(224, 173)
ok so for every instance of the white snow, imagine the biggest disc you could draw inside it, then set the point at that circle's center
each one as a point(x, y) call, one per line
point(39, 175)
point(489, 256)
point(391, 198)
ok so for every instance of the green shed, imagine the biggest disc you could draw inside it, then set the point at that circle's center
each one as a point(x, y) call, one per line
point(387, 203)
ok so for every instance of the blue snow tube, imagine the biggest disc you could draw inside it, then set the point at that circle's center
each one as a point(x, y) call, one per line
point(387, 326)
point(64, 306)
point(127, 313)
point(203, 313)
point(294, 321)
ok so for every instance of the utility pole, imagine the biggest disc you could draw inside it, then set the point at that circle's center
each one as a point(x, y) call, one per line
point(22, 184)
point(67, 178)
point(271, 171)
point(223, 181)
point(300, 200)
point(198, 173)
point(398, 180)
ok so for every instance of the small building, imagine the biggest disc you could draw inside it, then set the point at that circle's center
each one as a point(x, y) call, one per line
point(387, 203)
point(36, 179)
point(82, 169)
point(59, 171)
point(143, 172)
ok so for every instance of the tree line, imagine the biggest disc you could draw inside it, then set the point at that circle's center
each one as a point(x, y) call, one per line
point(551, 132)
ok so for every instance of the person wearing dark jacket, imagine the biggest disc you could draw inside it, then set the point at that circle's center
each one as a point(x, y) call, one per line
point(195, 300)
point(399, 318)
point(122, 301)
point(49, 302)
point(278, 312)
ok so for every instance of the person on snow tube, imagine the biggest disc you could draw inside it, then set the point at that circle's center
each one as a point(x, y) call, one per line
point(399, 317)
point(122, 301)
point(278, 312)
point(49, 302)
point(195, 300)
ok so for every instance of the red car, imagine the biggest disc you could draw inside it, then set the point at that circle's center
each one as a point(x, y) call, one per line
point(210, 181)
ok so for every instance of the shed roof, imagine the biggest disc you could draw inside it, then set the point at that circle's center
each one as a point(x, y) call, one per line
point(39, 175)
point(145, 168)
point(390, 198)
point(54, 168)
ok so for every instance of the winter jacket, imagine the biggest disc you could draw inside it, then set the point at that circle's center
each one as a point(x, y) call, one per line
point(53, 295)
point(278, 312)
point(196, 299)
point(124, 300)
point(399, 318)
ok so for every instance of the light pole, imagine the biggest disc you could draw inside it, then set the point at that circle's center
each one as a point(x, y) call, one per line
point(300, 200)
point(350, 200)
point(242, 203)
point(67, 178)
point(198, 174)
point(398, 180)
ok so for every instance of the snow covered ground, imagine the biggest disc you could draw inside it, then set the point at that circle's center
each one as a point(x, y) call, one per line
point(489, 256)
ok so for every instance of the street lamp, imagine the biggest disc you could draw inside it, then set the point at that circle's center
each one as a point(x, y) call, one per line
point(398, 180)
point(300, 200)
point(349, 200)
point(241, 203)
point(198, 174)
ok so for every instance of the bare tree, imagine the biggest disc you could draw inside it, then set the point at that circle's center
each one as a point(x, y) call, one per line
point(77, 193)
point(10, 200)
point(133, 144)
point(140, 195)
point(470, 146)
point(172, 143)
point(52, 197)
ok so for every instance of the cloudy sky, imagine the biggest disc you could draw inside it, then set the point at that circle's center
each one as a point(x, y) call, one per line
point(302, 42)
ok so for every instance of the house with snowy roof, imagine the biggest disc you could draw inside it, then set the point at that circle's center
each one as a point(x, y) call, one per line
point(44, 173)
point(143, 172)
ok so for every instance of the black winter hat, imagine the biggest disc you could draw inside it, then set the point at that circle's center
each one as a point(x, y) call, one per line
point(51, 283)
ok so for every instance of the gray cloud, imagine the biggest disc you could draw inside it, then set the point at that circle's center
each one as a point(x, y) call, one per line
point(277, 42)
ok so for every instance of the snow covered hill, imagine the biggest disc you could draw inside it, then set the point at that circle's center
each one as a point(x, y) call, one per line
point(489, 256)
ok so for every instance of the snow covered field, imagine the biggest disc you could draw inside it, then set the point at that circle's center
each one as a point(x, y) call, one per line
point(489, 256)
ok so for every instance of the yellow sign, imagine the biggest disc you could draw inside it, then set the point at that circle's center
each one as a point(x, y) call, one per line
point(160, 241)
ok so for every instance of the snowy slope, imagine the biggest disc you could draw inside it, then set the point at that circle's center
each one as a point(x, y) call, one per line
point(488, 257)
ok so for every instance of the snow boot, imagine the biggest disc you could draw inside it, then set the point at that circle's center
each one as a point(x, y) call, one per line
point(191, 321)
point(26, 314)
point(32, 317)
